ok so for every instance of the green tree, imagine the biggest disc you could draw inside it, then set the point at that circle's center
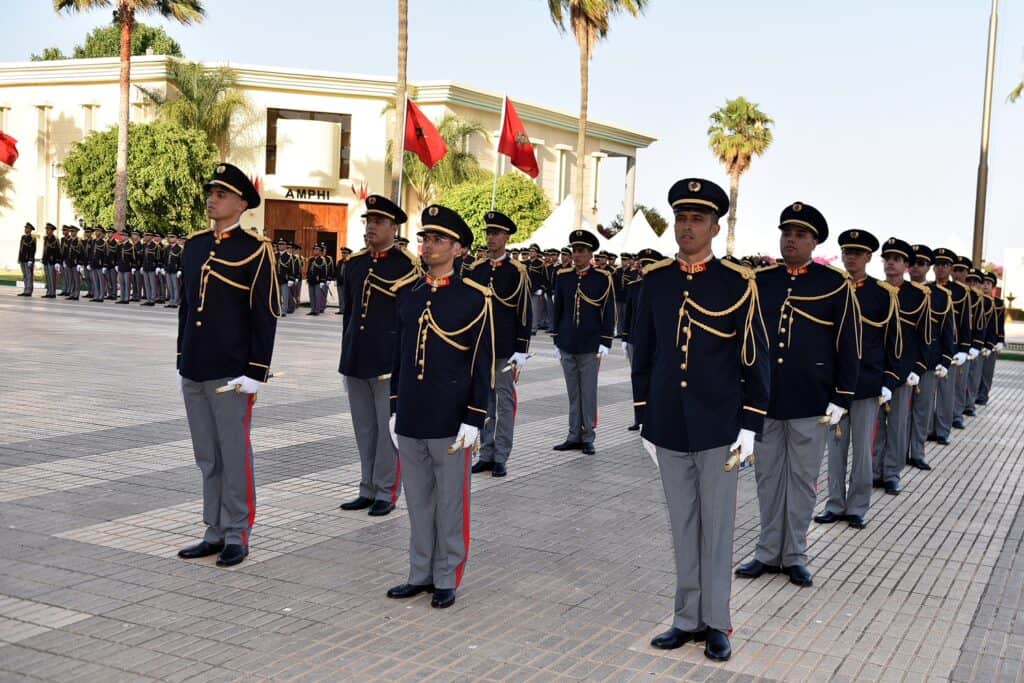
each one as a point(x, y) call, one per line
point(105, 41)
point(589, 22)
point(183, 11)
point(517, 197)
point(657, 221)
point(167, 167)
point(202, 98)
point(457, 166)
point(50, 54)
point(739, 131)
point(5, 187)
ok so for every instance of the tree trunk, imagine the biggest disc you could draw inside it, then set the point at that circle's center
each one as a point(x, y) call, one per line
point(734, 191)
point(127, 19)
point(581, 137)
point(397, 151)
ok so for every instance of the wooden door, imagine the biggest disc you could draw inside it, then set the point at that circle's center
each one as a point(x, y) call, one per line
point(308, 220)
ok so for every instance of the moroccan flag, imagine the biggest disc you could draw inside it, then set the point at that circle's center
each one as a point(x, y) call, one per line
point(422, 138)
point(8, 149)
point(515, 143)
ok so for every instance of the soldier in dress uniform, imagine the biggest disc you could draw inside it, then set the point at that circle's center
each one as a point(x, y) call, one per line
point(85, 259)
point(173, 268)
point(60, 268)
point(620, 297)
point(965, 301)
point(74, 262)
point(27, 259)
point(631, 294)
point(125, 265)
point(892, 439)
point(97, 266)
point(226, 327)
point(284, 273)
point(150, 262)
point(551, 268)
point(509, 283)
point(877, 378)
point(316, 280)
point(369, 337)
point(701, 368)
point(946, 400)
point(443, 371)
point(995, 338)
point(295, 283)
point(538, 288)
point(584, 322)
point(161, 269)
point(51, 261)
point(981, 309)
point(113, 247)
point(814, 332)
point(938, 356)
point(339, 275)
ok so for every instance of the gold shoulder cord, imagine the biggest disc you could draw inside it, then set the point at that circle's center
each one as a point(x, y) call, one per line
point(428, 324)
point(597, 303)
point(848, 286)
point(261, 252)
point(748, 352)
point(517, 298)
point(388, 288)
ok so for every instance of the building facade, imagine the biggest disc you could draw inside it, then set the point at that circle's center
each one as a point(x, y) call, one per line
point(316, 142)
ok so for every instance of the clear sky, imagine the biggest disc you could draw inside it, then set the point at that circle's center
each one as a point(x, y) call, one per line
point(877, 103)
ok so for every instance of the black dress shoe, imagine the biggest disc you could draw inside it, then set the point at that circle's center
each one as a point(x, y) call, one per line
point(409, 590)
point(122, 302)
point(798, 575)
point(676, 637)
point(360, 503)
point(568, 446)
point(980, 401)
point(932, 437)
point(970, 412)
point(919, 464)
point(754, 569)
point(482, 466)
point(717, 647)
point(499, 470)
point(443, 597)
point(942, 440)
point(877, 483)
point(827, 517)
point(312, 313)
point(232, 554)
point(201, 549)
point(381, 508)
point(856, 521)
point(588, 449)
point(892, 488)
point(633, 428)
point(958, 422)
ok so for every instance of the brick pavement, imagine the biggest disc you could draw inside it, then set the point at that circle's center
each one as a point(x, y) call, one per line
point(570, 570)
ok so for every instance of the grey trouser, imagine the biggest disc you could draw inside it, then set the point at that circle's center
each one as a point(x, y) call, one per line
point(496, 436)
point(857, 426)
point(126, 285)
point(921, 413)
point(65, 278)
point(296, 295)
point(137, 286)
point(96, 276)
point(314, 296)
point(111, 291)
point(974, 380)
point(76, 283)
point(945, 398)
point(88, 281)
point(786, 469)
point(219, 424)
point(369, 403)
point(28, 275)
point(988, 371)
point(893, 436)
point(540, 310)
point(150, 284)
point(437, 493)
point(51, 279)
point(580, 370)
point(286, 298)
point(173, 289)
point(620, 315)
point(960, 397)
point(701, 499)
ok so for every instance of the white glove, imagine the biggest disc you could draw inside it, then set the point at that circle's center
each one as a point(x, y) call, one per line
point(913, 379)
point(56, 267)
point(31, 264)
point(972, 354)
point(539, 292)
point(886, 396)
point(134, 270)
point(1000, 346)
point(180, 389)
point(625, 346)
point(519, 359)
point(649, 447)
point(291, 283)
point(555, 352)
point(834, 413)
point(941, 371)
point(959, 358)
point(467, 436)
point(602, 351)
point(323, 285)
point(986, 353)
point(391, 428)
point(104, 270)
point(744, 443)
point(245, 385)
point(178, 274)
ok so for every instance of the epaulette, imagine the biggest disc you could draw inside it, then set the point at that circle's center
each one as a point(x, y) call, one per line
point(650, 267)
point(602, 271)
point(408, 279)
point(892, 289)
point(846, 276)
point(563, 271)
point(413, 258)
point(923, 288)
point(358, 253)
point(745, 272)
point(474, 264)
point(518, 264)
point(944, 289)
point(486, 291)
point(761, 269)
point(199, 232)
point(252, 233)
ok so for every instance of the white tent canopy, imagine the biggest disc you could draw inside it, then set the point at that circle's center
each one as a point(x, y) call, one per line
point(632, 238)
point(554, 232)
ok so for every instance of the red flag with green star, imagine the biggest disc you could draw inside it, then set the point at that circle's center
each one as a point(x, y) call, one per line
point(515, 143)
point(422, 138)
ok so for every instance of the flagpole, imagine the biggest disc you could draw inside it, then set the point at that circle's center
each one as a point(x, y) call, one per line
point(981, 190)
point(497, 152)
point(401, 151)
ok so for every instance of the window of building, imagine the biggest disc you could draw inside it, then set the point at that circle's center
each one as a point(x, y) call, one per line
point(344, 120)
point(564, 188)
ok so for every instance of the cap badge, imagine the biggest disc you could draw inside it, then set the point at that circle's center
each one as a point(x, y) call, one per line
point(490, 215)
point(694, 186)
point(798, 207)
point(221, 168)
point(854, 234)
point(892, 240)
point(432, 211)
point(371, 201)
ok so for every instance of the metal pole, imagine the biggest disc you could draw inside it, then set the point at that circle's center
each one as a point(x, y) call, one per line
point(497, 151)
point(401, 152)
point(986, 121)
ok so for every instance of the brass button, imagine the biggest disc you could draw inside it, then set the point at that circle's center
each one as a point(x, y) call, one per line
point(780, 361)
point(362, 315)
point(433, 289)
point(370, 270)
point(788, 290)
point(419, 376)
point(683, 366)
point(213, 253)
point(782, 345)
point(200, 309)
point(792, 277)
point(686, 330)
point(689, 277)
point(361, 327)
point(428, 303)
point(683, 384)
point(374, 260)
point(199, 323)
point(782, 329)
point(216, 241)
point(684, 349)
point(686, 292)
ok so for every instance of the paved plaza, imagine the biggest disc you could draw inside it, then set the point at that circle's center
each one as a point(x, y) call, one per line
point(570, 568)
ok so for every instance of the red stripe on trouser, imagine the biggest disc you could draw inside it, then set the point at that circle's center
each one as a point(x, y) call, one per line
point(515, 402)
point(398, 479)
point(465, 518)
point(251, 484)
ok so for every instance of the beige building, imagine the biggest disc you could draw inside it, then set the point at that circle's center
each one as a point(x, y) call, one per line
point(314, 139)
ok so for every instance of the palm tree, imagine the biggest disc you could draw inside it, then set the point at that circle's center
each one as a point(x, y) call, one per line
point(395, 154)
point(589, 22)
point(739, 131)
point(457, 166)
point(183, 11)
point(204, 98)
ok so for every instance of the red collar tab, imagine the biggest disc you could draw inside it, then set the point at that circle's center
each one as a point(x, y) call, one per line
point(799, 270)
point(380, 254)
point(860, 283)
point(693, 268)
point(442, 281)
point(583, 272)
point(497, 264)
point(226, 235)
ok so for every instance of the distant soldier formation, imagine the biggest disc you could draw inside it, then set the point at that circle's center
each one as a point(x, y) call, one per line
point(732, 361)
